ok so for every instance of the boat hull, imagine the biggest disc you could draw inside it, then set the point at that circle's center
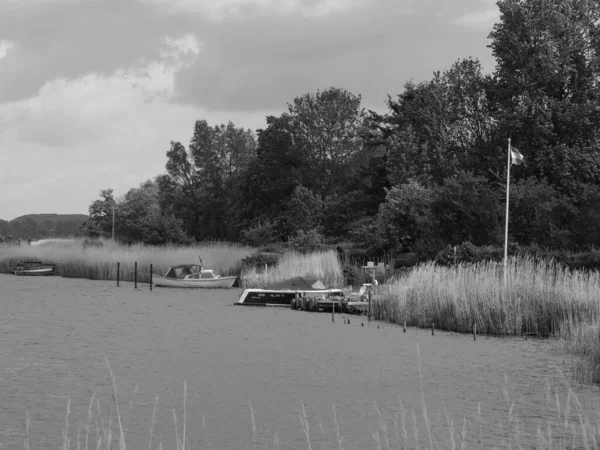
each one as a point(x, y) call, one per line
point(211, 283)
point(41, 272)
point(266, 297)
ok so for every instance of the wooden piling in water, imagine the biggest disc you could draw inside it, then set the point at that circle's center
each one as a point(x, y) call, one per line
point(370, 296)
point(404, 329)
point(432, 329)
point(150, 276)
point(474, 331)
point(118, 272)
point(333, 312)
point(135, 275)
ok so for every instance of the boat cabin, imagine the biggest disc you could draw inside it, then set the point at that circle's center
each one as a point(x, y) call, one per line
point(183, 270)
point(205, 274)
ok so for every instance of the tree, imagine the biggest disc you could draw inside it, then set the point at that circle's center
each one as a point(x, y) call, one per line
point(547, 79)
point(99, 223)
point(142, 220)
point(437, 128)
point(202, 183)
point(272, 176)
point(326, 128)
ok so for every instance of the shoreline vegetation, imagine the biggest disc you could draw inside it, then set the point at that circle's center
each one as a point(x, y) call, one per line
point(540, 299)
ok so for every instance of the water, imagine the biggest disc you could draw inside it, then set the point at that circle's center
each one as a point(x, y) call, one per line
point(55, 335)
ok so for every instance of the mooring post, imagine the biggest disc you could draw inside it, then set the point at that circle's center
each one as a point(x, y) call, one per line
point(332, 311)
point(151, 276)
point(135, 275)
point(404, 330)
point(432, 329)
point(474, 331)
point(370, 296)
point(118, 272)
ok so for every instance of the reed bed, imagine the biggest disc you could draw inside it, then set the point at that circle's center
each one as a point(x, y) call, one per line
point(324, 265)
point(540, 298)
point(73, 260)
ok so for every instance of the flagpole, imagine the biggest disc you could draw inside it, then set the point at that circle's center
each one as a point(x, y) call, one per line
point(506, 226)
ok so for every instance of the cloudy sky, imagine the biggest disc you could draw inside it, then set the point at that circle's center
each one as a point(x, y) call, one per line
point(93, 91)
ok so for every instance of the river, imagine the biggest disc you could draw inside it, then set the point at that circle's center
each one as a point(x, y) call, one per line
point(245, 365)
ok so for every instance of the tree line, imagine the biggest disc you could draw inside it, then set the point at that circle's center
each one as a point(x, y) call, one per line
point(428, 174)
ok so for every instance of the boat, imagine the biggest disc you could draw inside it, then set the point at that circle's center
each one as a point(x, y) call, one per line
point(282, 293)
point(34, 268)
point(192, 276)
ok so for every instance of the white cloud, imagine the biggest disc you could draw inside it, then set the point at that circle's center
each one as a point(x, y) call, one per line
point(5, 47)
point(78, 136)
point(480, 20)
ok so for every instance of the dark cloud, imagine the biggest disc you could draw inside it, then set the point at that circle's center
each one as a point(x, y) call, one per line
point(266, 61)
point(253, 61)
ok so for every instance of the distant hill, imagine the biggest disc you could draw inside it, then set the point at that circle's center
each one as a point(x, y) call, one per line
point(40, 226)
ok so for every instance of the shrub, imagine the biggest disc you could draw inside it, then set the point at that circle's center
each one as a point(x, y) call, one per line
point(263, 233)
point(307, 241)
point(260, 259)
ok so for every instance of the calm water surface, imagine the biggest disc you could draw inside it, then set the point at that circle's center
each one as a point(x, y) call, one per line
point(55, 334)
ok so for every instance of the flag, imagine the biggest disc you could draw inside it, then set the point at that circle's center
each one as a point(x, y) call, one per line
point(515, 156)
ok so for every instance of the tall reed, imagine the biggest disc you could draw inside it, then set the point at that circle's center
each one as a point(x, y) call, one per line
point(75, 261)
point(539, 298)
point(324, 265)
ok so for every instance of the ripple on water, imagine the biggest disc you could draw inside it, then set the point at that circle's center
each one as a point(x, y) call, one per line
point(56, 334)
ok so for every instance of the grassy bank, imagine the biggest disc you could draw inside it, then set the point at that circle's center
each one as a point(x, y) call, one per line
point(539, 298)
point(100, 263)
point(323, 265)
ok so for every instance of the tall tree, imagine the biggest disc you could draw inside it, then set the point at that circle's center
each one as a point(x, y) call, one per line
point(100, 222)
point(142, 220)
point(201, 183)
point(548, 74)
point(326, 128)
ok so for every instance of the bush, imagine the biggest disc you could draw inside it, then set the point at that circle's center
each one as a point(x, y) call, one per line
point(307, 241)
point(260, 259)
point(263, 233)
point(469, 253)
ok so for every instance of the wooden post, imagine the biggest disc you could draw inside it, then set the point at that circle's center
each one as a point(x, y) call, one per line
point(118, 272)
point(150, 276)
point(404, 330)
point(474, 331)
point(370, 296)
point(432, 329)
point(332, 311)
point(135, 275)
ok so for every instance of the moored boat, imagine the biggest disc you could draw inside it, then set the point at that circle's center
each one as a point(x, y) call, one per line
point(282, 293)
point(34, 268)
point(193, 276)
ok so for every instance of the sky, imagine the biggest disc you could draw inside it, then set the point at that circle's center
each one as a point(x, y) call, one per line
point(92, 92)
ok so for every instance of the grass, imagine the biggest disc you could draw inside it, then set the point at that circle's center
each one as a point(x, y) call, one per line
point(100, 263)
point(566, 425)
point(540, 298)
point(323, 265)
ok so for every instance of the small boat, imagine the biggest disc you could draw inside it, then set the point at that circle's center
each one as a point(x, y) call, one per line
point(282, 294)
point(34, 268)
point(192, 276)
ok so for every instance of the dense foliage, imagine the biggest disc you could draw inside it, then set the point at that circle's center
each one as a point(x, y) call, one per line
point(426, 176)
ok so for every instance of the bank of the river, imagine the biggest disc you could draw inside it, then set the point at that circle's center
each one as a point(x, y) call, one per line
point(55, 334)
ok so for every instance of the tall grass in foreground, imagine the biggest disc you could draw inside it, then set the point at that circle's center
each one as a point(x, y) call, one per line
point(324, 265)
point(100, 263)
point(564, 425)
point(540, 298)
